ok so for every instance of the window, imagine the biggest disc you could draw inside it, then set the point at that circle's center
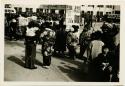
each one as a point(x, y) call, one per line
point(88, 12)
point(41, 10)
point(47, 10)
point(113, 7)
point(108, 12)
point(91, 12)
point(29, 9)
point(15, 8)
point(61, 12)
point(20, 9)
point(100, 13)
point(77, 19)
point(69, 7)
point(37, 10)
point(100, 5)
point(90, 5)
point(5, 11)
point(117, 12)
point(77, 9)
point(8, 6)
point(52, 11)
point(109, 6)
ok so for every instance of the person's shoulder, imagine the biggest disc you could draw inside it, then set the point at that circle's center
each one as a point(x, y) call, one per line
point(102, 42)
point(93, 41)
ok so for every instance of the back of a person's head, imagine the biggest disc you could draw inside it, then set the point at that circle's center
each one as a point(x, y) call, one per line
point(75, 28)
point(97, 35)
point(33, 24)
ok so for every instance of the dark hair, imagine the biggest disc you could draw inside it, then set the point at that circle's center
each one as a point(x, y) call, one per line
point(76, 27)
point(33, 24)
point(97, 35)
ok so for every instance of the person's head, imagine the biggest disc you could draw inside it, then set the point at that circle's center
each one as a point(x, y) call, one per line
point(104, 22)
point(105, 49)
point(97, 35)
point(20, 15)
point(48, 49)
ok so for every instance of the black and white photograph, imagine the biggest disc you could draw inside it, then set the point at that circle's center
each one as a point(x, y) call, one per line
point(61, 43)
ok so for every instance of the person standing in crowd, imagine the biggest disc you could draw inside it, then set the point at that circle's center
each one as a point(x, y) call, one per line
point(61, 21)
point(30, 45)
point(109, 31)
point(101, 67)
point(84, 41)
point(91, 19)
point(88, 20)
point(116, 59)
point(95, 47)
point(13, 27)
point(6, 26)
point(23, 22)
point(72, 41)
point(48, 37)
point(60, 41)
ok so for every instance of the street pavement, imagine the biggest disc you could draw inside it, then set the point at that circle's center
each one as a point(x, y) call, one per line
point(61, 69)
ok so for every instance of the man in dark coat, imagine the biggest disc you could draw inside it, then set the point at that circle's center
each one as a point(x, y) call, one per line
point(30, 45)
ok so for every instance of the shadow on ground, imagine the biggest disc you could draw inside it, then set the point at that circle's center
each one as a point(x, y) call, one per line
point(37, 62)
point(16, 60)
point(76, 74)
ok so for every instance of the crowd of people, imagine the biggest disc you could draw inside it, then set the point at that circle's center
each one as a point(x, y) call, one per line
point(101, 47)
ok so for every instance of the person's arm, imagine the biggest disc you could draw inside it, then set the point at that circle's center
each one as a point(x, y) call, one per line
point(45, 53)
point(68, 39)
point(89, 54)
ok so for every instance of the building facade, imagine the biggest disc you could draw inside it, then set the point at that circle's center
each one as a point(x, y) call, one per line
point(98, 11)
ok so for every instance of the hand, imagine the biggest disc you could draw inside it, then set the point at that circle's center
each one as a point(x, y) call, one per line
point(105, 65)
point(110, 68)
